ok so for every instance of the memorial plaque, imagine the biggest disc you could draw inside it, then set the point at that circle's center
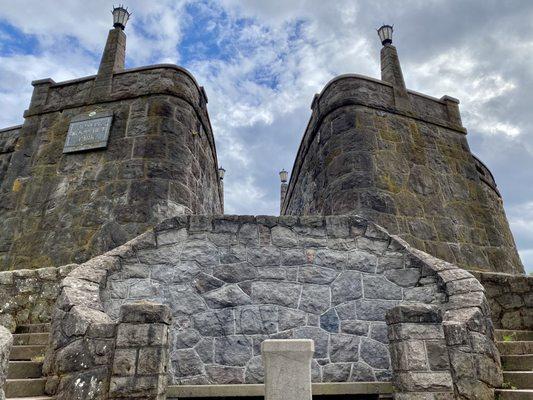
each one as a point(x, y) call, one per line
point(88, 131)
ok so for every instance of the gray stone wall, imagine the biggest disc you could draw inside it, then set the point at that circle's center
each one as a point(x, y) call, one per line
point(160, 161)
point(411, 172)
point(28, 296)
point(510, 298)
point(8, 140)
point(232, 282)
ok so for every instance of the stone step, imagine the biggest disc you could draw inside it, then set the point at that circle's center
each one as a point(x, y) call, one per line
point(515, 348)
point(519, 379)
point(506, 335)
point(27, 352)
point(258, 390)
point(33, 328)
point(30, 338)
point(519, 394)
point(24, 369)
point(518, 363)
point(24, 387)
point(32, 398)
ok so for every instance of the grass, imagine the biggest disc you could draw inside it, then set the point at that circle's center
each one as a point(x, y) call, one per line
point(509, 338)
point(507, 385)
point(39, 358)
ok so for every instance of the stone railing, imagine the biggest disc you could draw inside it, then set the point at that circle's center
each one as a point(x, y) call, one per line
point(27, 296)
point(452, 352)
point(510, 298)
point(6, 341)
point(80, 355)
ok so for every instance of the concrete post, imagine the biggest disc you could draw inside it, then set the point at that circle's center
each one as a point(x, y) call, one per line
point(287, 368)
point(141, 352)
point(419, 357)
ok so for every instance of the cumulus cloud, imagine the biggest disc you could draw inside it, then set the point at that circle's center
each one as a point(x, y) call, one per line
point(262, 61)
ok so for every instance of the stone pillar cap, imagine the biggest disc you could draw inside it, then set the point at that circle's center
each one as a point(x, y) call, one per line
point(288, 345)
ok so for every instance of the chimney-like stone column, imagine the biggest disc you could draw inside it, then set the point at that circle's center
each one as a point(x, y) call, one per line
point(113, 61)
point(391, 70)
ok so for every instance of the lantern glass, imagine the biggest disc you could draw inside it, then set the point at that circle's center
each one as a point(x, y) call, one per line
point(385, 34)
point(284, 175)
point(221, 172)
point(120, 17)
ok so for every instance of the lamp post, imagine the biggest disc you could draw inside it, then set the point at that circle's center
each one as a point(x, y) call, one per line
point(283, 175)
point(385, 34)
point(120, 16)
point(221, 173)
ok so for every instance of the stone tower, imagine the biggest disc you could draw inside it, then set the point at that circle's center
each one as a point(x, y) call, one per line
point(100, 159)
point(401, 159)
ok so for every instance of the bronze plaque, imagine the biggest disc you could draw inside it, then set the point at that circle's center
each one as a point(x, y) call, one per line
point(88, 132)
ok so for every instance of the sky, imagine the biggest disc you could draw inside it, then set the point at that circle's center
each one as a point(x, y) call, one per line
point(261, 62)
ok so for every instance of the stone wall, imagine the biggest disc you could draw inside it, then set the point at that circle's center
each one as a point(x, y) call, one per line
point(8, 140)
point(510, 298)
point(411, 172)
point(28, 296)
point(232, 282)
point(160, 161)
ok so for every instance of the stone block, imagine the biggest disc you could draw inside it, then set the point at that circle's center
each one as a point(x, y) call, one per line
point(378, 287)
point(374, 353)
point(423, 381)
point(344, 348)
point(283, 294)
point(417, 313)
point(233, 350)
point(124, 362)
point(145, 312)
point(226, 296)
point(152, 361)
point(137, 335)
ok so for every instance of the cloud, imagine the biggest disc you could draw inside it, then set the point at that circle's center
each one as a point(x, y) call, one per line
point(261, 62)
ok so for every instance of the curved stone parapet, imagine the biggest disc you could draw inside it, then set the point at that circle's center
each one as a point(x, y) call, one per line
point(233, 281)
point(159, 161)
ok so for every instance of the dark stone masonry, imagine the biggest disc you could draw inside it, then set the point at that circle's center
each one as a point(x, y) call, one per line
point(392, 253)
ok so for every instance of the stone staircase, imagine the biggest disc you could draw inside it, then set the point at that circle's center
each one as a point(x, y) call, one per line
point(24, 378)
point(516, 349)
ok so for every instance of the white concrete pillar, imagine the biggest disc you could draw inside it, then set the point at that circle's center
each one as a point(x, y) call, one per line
point(287, 365)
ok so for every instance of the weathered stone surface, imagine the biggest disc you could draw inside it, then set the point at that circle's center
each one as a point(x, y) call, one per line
point(348, 286)
point(6, 341)
point(344, 348)
point(375, 354)
point(227, 296)
point(315, 298)
point(283, 294)
point(233, 350)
